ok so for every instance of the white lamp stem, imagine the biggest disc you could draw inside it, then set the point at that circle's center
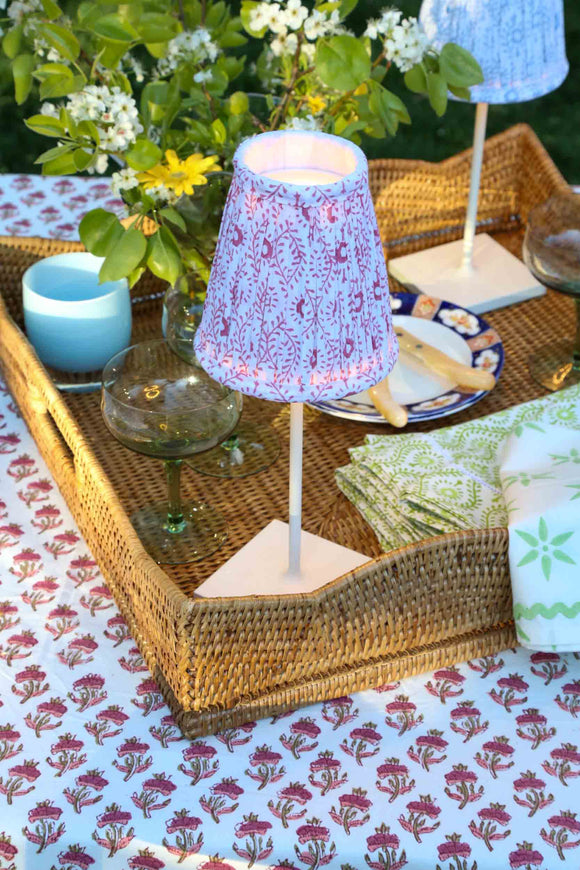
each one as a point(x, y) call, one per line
point(296, 431)
point(476, 161)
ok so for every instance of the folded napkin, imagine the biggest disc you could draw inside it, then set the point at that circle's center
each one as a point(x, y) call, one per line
point(415, 485)
point(540, 476)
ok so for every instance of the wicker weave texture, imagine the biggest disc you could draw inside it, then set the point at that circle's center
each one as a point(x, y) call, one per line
point(222, 662)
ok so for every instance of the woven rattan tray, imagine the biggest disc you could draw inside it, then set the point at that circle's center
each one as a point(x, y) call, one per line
point(221, 662)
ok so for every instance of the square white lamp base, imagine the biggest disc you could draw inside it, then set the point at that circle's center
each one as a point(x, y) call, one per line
point(260, 567)
point(496, 279)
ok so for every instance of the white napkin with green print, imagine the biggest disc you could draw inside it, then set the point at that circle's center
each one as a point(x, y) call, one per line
point(540, 476)
point(416, 485)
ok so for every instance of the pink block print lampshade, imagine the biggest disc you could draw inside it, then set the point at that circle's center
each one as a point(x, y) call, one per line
point(297, 307)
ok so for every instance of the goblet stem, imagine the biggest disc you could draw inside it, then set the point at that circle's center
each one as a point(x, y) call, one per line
point(576, 350)
point(175, 519)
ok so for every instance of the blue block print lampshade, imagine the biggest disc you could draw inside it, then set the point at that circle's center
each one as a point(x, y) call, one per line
point(518, 43)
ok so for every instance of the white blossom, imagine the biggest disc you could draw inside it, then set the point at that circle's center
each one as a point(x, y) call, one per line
point(320, 24)
point(308, 52)
point(164, 194)
point(100, 166)
point(194, 46)
point(295, 14)
point(136, 67)
point(113, 111)
point(204, 75)
point(19, 8)
point(126, 179)
point(284, 44)
point(307, 123)
point(406, 44)
point(50, 110)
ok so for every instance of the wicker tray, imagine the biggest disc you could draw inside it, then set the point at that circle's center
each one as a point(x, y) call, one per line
point(221, 662)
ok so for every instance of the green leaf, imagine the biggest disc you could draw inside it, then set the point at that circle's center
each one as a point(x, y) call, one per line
point(543, 529)
point(172, 215)
point(62, 39)
point(51, 9)
point(219, 131)
point(114, 29)
point(560, 539)
point(62, 164)
point(155, 27)
point(53, 69)
point(239, 103)
point(215, 15)
point(135, 275)
point(546, 567)
point(218, 82)
point(125, 256)
point(22, 67)
point(82, 158)
point(111, 52)
point(163, 257)
point(143, 155)
point(346, 7)
point(416, 80)
point(342, 62)
point(437, 90)
point(461, 93)
point(529, 557)
point(157, 49)
point(45, 125)
point(90, 129)
point(348, 130)
point(529, 539)
point(60, 86)
point(154, 101)
point(563, 557)
point(11, 41)
point(53, 152)
point(232, 39)
point(459, 67)
point(100, 231)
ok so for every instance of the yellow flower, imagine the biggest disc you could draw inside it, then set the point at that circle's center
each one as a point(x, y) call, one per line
point(316, 104)
point(181, 176)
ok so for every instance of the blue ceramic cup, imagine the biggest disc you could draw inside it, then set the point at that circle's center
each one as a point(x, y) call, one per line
point(74, 323)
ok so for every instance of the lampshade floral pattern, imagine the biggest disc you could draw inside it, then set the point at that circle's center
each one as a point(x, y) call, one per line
point(298, 307)
point(519, 44)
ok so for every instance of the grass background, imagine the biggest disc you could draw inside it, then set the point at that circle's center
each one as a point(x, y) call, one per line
point(555, 117)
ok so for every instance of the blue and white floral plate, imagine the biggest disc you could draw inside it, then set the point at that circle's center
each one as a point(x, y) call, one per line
point(456, 331)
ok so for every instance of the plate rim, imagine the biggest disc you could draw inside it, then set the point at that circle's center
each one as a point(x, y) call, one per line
point(468, 399)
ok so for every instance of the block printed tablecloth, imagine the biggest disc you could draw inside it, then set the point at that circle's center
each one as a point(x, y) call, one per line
point(473, 767)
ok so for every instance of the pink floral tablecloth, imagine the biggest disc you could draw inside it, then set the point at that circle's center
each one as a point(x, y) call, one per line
point(472, 767)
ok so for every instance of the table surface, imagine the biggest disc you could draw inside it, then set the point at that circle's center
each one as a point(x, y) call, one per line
point(471, 767)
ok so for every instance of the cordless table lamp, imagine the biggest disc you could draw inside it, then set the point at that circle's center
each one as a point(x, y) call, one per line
point(297, 310)
point(520, 47)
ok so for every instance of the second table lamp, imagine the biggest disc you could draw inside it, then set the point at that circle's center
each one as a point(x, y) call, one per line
point(297, 310)
point(520, 47)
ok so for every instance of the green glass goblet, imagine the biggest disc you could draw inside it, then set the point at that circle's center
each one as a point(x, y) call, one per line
point(158, 405)
point(251, 448)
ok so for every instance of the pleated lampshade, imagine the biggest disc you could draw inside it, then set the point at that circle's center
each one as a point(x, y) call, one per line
point(297, 306)
point(518, 43)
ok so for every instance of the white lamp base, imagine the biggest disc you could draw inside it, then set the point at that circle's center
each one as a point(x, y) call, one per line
point(261, 566)
point(496, 279)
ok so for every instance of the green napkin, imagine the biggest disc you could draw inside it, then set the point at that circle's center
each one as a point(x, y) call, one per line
point(412, 486)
